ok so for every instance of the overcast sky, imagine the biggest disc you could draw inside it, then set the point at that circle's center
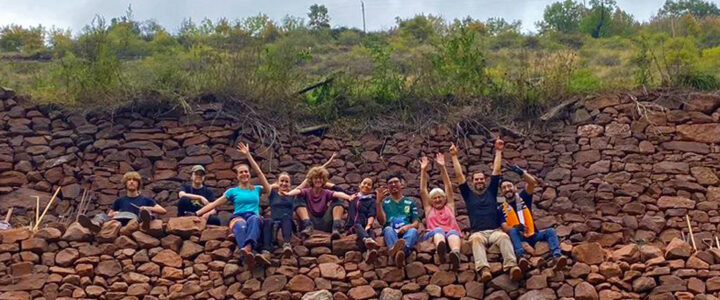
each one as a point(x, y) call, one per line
point(379, 14)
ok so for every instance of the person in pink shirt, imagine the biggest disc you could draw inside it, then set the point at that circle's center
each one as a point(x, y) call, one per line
point(440, 213)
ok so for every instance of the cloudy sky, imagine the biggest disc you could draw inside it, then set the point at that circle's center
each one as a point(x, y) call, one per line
point(379, 14)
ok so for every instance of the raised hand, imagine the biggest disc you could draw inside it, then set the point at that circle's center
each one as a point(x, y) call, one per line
point(517, 169)
point(243, 149)
point(424, 163)
point(332, 157)
point(454, 150)
point(440, 159)
point(381, 192)
point(499, 144)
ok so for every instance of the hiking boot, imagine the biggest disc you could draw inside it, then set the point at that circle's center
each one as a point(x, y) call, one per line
point(372, 256)
point(89, 224)
point(335, 234)
point(524, 264)
point(399, 246)
point(455, 260)
point(485, 275)
point(371, 244)
point(144, 220)
point(560, 262)
point(287, 251)
point(400, 259)
point(307, 231)
point(263, 258)
point(441, 251)
point(516, 273)
point(248, 257)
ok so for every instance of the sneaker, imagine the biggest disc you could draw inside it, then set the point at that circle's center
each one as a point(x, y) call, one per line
point(89, 224)
point(441, 251)
point(400, 259)
point(335, 234)
point(455, 260)
point(371, 244)
point(287, 251)
point(144, 220)
point(560, 262)
point(372, 256)
point(248, 257)
point(515, 273)
point(399, 246)
point(263, 258)
point(524, 264)
point(307, 231)
point(485, 275)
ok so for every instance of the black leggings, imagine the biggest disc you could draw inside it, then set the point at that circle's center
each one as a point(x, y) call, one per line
point(185, 206)
point(286, 225)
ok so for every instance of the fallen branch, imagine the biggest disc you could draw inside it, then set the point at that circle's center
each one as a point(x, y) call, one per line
point(692, 238)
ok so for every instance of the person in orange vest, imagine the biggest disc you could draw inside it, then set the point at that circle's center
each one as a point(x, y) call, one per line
point(519, 221)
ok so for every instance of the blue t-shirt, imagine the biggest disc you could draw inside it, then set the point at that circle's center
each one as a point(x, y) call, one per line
point(130, 204)
point(483, 210)
point(281, 206)
point(245, 200)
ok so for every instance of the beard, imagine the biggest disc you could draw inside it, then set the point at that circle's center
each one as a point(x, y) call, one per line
point(480, 188)
point(509, 196)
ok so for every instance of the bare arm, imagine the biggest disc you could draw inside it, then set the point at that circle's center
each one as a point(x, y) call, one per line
point(305, 182)
point(440, 159)
point(379, 196)
point(212, 205)
point(245, 150)
point(341, 195)
point(370, 222)
point(157, 209)
point(459, 176)
point(497, 163)
point(183, 194)
point(294, 192)
point(530, 181)
point(424, 164)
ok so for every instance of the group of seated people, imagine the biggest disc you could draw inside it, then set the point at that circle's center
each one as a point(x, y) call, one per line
point(321, 205)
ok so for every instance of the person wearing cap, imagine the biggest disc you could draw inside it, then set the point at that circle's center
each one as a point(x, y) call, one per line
point(399, 215)
point(195, 195)
point(131, 206)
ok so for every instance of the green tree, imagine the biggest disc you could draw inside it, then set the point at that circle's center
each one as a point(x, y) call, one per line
point(17, 38)
point(562, 16)
point(597, 22)
point(420, 28)
point(319, 18)
point(697, 8)
point(497, 26)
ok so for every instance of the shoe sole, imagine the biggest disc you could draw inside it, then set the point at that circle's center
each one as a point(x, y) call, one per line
point(515, 274)
point(372, 257)
point(287, 252)
point(249, 260)
point(561, 263)
point(371, 245)
point(485, 276)
point(454, 261)
point(524, 265)
point(442, 251)
point(400, 260)
point(145, 220)
point(85, 222)
point(399, 245)
point(262, 260)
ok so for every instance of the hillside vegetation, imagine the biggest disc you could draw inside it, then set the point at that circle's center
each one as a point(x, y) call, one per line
point(423, 64)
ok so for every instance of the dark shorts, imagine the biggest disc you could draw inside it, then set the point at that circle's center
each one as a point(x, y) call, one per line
point(325, 222)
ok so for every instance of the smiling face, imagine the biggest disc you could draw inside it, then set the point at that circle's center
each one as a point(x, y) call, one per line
point(284, 182)
point(395, 185)
point(243, 173)
point(479, 182)
point(507, 189)
point(438, 200)
point(366, 186)
point(197, 178)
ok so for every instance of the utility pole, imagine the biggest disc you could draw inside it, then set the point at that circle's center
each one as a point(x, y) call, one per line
point(362, 4)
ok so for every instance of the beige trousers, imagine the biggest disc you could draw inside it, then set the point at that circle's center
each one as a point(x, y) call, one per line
point(481, 239)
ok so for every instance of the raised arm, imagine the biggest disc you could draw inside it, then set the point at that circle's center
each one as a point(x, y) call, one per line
point(459, 176)
point(497, 163)
point(424, 164)
point(530, 181)
point(245, 150)
point(211, 206)
point(294, 192)
point(380, 194)
point(157, 209)
point(440, 160)
point(344, 196)
point(305, 182)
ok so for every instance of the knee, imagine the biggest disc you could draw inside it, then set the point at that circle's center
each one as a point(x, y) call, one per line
point(388, 230)
point(501, 236)
point(551, 231)
point(412, 231)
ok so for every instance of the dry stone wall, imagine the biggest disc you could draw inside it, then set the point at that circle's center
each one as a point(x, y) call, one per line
point(619, 175)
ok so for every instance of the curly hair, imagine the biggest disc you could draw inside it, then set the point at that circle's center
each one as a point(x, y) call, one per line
point(316, 172)
point(131, 176)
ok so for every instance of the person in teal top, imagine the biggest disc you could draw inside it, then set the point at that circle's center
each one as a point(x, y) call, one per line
point(399, 215)
point(246, 222)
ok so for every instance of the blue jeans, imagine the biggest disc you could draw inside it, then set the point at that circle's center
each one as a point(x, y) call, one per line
point(547, 235)
point(410, 236)
point(247, 230)
point(430, 234)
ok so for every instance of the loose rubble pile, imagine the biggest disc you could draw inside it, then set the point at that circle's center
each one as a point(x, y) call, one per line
point(619, 175)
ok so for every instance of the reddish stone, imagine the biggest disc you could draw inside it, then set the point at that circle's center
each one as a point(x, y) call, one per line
point(585, 291)
point(332, 271)
point(589, 253)
point(362, 292)
point(169, 258)
point(707, 133)
point(677, 248)
point(301, 283)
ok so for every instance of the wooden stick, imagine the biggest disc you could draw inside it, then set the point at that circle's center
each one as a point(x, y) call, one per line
point(37, 224)
point(80, 206)
point(9, 214)
point(37, 207)
point(692, 238)
point(717, 242)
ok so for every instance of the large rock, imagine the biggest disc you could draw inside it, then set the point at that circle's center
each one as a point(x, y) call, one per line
point(66, 257)
point(675, 202)
point(301, 283)
point(169, 258)
point(185, 226)
point(362, 292)
point(332, 271)
point(677, 248)
point(76, 233)
point(671, 167)
point(12, 178)
point(585, 291)
point(13, 235)
point(706, 103)
point(589, 253)
point(317, 295)
point(108, 268)
point(706, 133)
point(704, 175)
